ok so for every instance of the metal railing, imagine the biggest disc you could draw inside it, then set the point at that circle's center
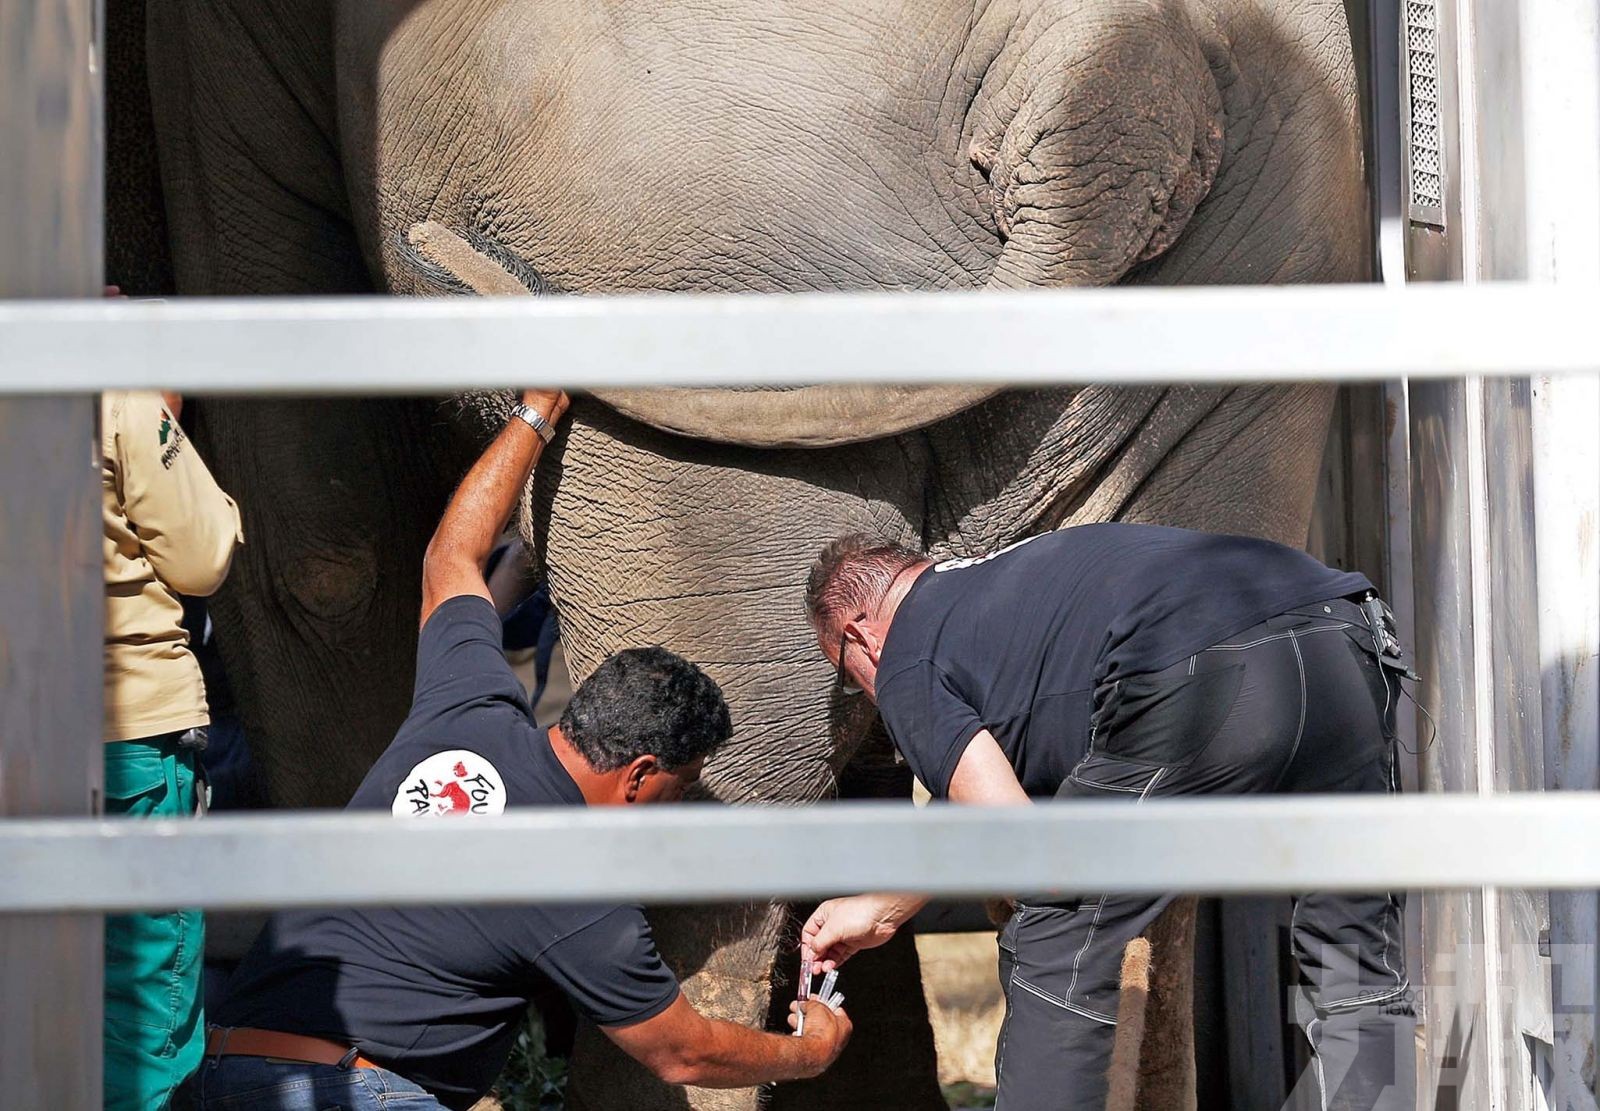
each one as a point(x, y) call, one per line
point(699, 852)
point(375, 345)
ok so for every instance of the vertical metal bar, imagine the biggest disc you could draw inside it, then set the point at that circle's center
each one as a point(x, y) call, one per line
point(1566, 441)
point(51, 190)
point(1560, 62)
point(1480, 664)
point(1383, 139)
point(1457, 993)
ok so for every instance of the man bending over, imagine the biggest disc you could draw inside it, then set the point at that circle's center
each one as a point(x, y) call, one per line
point(1129, 662)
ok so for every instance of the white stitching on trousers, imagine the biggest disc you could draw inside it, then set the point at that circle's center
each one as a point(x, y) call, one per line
point(1005, 1027)
point(1054, 1001)
point(1279, 636)
point(1392, 913)
point(1103, 786)
point(1100, 906)
point(1376, 997)
point(1300, 730)
point(1077, 961)
point(1316, 1062)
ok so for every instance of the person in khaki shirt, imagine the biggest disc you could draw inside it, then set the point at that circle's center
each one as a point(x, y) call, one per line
point(168, 530)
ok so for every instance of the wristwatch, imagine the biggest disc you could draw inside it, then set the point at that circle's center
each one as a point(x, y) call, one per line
point(534, 421)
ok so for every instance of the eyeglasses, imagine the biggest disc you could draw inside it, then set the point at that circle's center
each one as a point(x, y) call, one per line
point(839, 682)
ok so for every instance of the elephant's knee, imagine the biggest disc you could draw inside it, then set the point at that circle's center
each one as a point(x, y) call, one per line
point(335, 586)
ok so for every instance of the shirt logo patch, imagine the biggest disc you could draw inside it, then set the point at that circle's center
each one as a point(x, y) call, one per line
point(973, 561)
point(451, 784)
point(170, 430)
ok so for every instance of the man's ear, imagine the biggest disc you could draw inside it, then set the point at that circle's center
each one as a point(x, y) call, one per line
point(865, 633)
point(640, 769)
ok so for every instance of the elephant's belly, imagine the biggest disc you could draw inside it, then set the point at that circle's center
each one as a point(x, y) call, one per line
point(762, 146)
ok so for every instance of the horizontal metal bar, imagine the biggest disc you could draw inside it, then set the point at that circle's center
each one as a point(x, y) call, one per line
point(1123, 335)
point(695, 853)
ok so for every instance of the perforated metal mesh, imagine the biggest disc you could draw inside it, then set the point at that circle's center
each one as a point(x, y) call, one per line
point(1426, 139)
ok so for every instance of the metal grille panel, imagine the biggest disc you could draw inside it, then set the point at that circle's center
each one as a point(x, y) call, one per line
point(1426, 138)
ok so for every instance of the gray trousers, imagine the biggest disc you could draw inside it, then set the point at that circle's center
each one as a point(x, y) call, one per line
point(1296, 704)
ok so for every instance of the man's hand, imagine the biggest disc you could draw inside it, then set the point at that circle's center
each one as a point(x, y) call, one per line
point(549, 404)
point(840, 928)
point(827, 1033)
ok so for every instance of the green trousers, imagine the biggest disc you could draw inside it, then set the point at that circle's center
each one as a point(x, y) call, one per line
point(154, 1028)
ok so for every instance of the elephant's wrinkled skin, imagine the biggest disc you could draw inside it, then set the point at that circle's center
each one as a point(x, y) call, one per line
point(445, 146)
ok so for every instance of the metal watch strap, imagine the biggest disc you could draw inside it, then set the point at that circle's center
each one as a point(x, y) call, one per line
point(534, 421)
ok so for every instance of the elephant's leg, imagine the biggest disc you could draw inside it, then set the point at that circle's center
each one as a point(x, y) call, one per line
point(889, 1062)
point(243, 99)
point(137, 257)
point(658, 540)
point(1241, 460)
point(318, 619)
point(883, 986)
point(730, 950)
point(1249, 466)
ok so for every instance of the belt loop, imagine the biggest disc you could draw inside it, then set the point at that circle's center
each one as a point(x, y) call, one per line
point(348, 1058)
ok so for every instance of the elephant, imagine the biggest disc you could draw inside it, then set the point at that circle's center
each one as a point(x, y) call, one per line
point(555, 148)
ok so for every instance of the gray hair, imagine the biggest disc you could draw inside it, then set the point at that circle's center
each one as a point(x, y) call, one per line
point(850, 577)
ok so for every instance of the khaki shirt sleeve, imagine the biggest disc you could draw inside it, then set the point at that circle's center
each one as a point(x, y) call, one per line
point(186, 524)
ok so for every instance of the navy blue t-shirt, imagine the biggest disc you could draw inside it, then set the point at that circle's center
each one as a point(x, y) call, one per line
point(437, 993)
point(1017, 641)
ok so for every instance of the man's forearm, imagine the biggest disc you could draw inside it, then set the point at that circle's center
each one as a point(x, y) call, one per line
point(734, 1056)
point(482, 504)
point(477, 514)
point(682, 1046)
point(901, 907)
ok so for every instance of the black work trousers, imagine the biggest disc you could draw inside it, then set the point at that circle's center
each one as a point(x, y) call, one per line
point(1296, 704)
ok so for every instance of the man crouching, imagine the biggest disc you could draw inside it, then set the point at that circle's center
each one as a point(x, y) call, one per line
point(367, 1009)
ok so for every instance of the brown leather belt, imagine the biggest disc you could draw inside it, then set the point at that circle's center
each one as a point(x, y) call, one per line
point(243, 1041)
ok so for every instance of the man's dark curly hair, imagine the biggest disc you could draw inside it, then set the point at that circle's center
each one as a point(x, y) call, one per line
point(646, 701)
point(851, 575)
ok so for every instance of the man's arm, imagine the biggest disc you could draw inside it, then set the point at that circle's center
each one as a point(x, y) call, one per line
point(985, 777)
point(186, 525)
point(682, 1046)
point(841, 928)
point(477, 514)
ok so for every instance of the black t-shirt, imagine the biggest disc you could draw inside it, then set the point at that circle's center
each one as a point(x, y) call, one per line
point(1017, 641)
point(437, 992)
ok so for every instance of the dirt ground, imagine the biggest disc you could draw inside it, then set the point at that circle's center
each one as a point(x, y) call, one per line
point(964, 1003)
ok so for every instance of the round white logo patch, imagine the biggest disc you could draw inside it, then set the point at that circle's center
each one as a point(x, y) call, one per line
point(450, 784)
